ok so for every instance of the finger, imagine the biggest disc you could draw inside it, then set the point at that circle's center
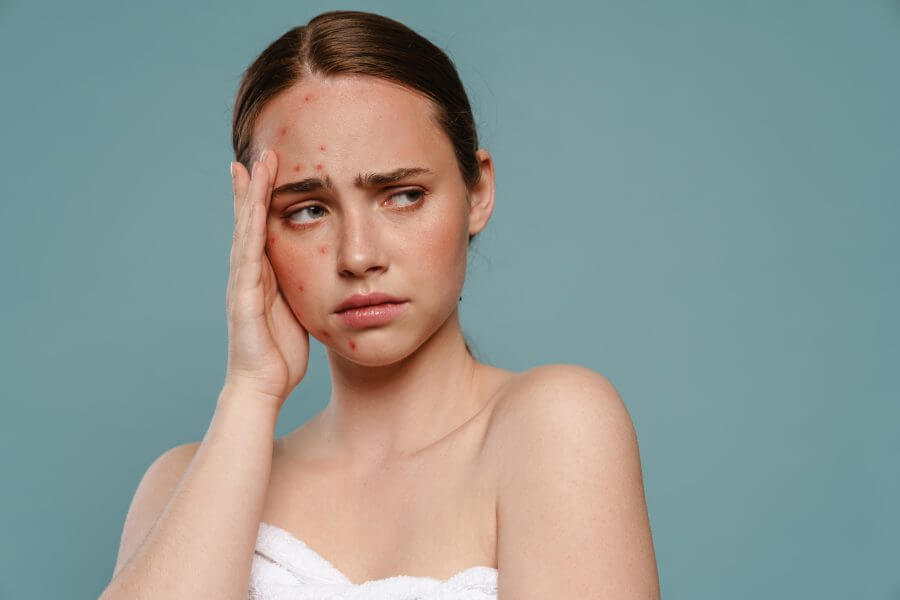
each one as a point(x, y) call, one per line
point(271, 163)
point(242, 180)
point(250, 253)
point(239, 180)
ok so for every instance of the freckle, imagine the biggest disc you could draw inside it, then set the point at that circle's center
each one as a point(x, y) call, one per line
point(352, 345)
point(297, 167)
point(319, 167)
point(300, 287)
point(322, 147)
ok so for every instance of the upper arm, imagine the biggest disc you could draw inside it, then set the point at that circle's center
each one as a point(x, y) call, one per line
point(150, 499)
point(572, 517)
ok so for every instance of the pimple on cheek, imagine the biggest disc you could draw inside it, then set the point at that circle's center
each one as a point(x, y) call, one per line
point(283, 130)
point(271, 241)
point(300, 287)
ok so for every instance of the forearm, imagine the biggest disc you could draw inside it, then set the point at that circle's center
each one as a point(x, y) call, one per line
point(202, 543)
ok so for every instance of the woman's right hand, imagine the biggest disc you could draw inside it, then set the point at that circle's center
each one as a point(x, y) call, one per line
point(268, 348)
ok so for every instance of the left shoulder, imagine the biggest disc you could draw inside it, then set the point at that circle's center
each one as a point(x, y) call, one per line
point(561, 395)
point(571, 515)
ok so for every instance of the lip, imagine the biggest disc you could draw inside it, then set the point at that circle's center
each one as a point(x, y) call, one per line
point(359, 300)
point(372, 314)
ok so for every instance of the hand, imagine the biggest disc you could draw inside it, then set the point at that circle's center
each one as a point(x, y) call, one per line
point(268, 349)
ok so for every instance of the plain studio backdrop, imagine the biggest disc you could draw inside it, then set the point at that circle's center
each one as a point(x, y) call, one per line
point(698, 199)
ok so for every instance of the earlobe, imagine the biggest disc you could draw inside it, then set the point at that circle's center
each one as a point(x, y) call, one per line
point(481, 196)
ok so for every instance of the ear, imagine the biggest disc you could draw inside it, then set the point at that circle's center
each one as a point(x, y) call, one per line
point(481, 196)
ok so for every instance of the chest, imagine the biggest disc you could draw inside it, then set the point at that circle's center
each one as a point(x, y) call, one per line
point(429, 517)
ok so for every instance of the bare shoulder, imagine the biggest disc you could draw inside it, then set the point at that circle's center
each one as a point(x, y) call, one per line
point(570, 496)
point(151, 496)
point(557, 396)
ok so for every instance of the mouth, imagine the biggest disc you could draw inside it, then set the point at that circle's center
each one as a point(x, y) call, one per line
point(363, 300)
point(372, 315)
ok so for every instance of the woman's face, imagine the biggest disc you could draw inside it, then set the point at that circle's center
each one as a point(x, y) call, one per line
point(338, 231)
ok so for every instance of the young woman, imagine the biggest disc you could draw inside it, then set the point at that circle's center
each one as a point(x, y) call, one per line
point(358, 187)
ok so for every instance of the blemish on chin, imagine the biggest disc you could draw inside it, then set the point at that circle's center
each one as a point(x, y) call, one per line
point(323, 250)
point(325, 334)
point(300, 287)
point(352, 345)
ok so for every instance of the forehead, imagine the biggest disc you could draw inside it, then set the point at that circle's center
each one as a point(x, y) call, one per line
point(353, 117)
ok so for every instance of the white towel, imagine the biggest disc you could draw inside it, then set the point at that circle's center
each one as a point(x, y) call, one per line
point(285, 568)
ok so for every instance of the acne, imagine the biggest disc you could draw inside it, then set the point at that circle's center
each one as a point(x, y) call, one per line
point(283, 130)
point(306, 98)
point(323, 250)
point(300, 287)
point(352, 345)
point(319, 167)
point(322, 147)
point(298, 167)
point(271, 241)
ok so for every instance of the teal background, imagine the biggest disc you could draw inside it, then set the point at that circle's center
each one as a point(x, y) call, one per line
point(698, 199)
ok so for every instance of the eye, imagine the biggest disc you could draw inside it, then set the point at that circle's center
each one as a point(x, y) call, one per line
point(290, 216)
point(417, 194)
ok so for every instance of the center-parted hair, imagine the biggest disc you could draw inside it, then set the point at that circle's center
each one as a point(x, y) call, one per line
point(345, 42)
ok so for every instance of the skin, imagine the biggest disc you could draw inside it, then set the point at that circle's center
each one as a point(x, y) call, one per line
point(399, 387)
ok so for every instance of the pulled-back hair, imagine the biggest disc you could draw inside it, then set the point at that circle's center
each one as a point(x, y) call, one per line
point(345, 42)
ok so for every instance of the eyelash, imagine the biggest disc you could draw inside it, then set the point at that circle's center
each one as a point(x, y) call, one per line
point(419, 194)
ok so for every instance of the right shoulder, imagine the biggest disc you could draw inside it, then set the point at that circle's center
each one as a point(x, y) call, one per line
point(151, 497)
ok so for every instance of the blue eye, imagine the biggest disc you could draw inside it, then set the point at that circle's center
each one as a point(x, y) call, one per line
point(290, 215)
point(319, 210)
point(412, 193)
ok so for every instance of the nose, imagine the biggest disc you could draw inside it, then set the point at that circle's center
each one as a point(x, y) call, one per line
point(360, 253)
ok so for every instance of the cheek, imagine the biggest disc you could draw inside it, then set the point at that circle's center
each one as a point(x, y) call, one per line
point(442, 248)
point(296, 270)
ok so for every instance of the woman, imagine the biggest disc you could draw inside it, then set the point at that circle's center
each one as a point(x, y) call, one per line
point(358, 187)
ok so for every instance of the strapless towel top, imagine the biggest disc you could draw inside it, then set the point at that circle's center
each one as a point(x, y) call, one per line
point(285, 568)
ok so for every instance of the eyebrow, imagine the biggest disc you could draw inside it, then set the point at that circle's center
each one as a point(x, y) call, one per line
point(363, 180)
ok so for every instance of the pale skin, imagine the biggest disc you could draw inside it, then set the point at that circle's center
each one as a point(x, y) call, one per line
point(425, 461)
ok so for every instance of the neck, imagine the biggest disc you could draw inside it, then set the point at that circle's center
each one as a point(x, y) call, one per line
point(381, 413)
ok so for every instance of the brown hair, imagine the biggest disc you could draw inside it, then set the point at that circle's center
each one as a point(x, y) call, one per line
point(358, 43)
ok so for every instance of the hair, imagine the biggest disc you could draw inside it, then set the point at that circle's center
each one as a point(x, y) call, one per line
point(344, 42)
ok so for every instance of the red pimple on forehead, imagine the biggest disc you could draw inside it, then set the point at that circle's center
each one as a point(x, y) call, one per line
point(319, 167)
point(297, 167)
